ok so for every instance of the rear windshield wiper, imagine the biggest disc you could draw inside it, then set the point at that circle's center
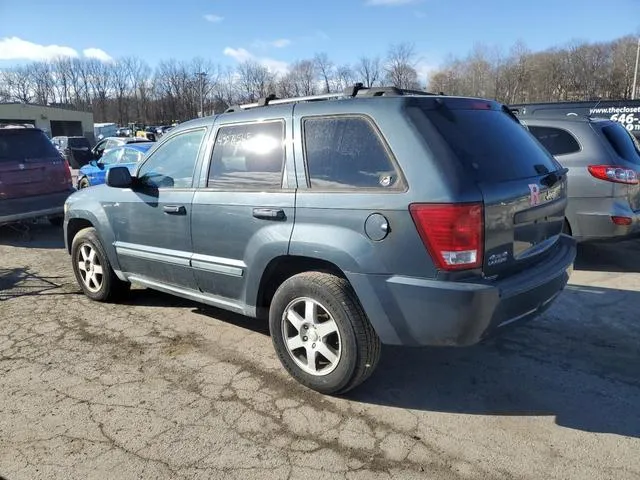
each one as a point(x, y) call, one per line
point(554, 177)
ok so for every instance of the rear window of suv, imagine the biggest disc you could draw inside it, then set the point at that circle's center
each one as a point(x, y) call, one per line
point(25, 144)
point(622, 142)
point(488, 142)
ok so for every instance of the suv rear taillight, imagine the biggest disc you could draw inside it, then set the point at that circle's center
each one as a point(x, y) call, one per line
point(611, 173)
point(452, 233)
point(67, 173)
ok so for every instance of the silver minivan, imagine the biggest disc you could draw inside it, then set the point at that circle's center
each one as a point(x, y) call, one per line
point(604, 167)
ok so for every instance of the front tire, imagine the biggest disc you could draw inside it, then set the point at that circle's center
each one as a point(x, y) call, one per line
point(321, 333)
point(83, 183)
point(92, 269)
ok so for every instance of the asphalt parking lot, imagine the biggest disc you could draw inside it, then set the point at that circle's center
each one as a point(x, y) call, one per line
point(165, 388)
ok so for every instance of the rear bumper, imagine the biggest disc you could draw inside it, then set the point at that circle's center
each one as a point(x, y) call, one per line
point(18, 209)
point(590, 219)
point(417, 311)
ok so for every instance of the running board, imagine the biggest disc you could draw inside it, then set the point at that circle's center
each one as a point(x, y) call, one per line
point(212, 300)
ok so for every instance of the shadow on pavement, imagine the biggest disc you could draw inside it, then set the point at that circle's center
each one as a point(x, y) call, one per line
point(579, 363)
point(618, 257)
point(32, 235)
point(20, 282)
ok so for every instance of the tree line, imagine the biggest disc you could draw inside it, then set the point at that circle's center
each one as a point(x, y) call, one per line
point(129, 90)
point(577, 71)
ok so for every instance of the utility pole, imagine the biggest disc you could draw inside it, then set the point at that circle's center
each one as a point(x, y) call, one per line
point(635, 73)
point(201, 76)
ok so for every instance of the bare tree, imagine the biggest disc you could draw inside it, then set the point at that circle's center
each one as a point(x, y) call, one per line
point(255, 81)
point(369, 71)
point(18, 84)
point(42, 81)
point(100, 83)
point(400, 66)
point(121, 88)
point(225, 90)
point(325, 69)
point(139, 75)
point(303, 78)
point(345, 77)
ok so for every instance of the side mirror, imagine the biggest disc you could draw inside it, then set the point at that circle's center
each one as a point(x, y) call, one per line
point(119, 177)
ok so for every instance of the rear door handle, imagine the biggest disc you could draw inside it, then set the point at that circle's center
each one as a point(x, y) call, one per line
point(174, 209)
point(269, 213)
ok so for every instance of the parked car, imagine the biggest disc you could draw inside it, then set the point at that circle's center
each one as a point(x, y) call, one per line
point(625, 112)
point(384, 216)
point(35, 180)
point(112, 142)
point(128, 155)
point(604, 165)
point(75, 150)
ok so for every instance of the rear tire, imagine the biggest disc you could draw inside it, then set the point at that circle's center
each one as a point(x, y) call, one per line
point(321, 333)
point(93, 270)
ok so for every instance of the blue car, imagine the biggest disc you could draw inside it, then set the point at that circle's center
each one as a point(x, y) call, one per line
point(129, 156)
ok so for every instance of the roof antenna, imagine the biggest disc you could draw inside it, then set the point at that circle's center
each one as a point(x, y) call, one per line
point(595, 106)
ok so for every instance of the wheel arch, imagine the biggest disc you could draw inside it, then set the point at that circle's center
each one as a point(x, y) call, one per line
point(74, 225)
point(283, 267)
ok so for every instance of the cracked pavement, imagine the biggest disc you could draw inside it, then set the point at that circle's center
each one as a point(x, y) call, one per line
point(160, 387)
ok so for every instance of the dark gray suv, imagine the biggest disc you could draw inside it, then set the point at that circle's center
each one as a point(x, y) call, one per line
point(349, 220)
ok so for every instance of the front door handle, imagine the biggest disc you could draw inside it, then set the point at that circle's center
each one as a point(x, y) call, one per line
point(269, 213)
point(174, 209)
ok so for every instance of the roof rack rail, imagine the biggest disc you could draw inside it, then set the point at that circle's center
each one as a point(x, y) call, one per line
point(357, 90)
point(380, 91)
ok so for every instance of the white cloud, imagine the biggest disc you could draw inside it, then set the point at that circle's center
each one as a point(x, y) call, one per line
point(281, 43)
point(213, 18)
point(278, 43)
point(14, 48)
point(276, 66)
point(389, 3)
point(239, 54)
point(98, 54)
point(243, 55)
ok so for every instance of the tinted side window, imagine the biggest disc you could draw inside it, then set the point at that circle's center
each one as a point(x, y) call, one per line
point(172, 164)
point(347, 152)
point(248, 156)
point(556, 140)
point(622, 142)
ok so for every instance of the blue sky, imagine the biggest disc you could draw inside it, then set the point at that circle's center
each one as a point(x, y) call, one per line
point(277, 32)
